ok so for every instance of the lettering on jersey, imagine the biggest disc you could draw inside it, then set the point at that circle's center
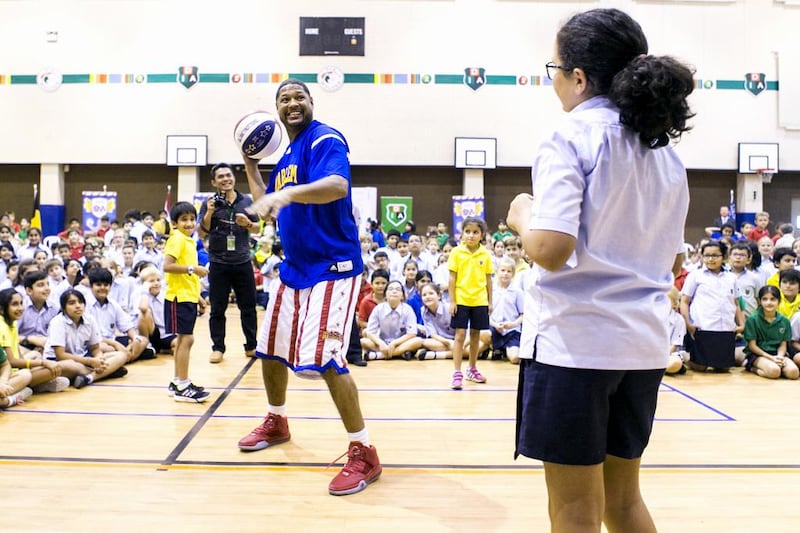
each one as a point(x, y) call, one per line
point(285, 176)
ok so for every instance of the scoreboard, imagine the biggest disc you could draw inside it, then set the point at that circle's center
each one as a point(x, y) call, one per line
point(331, 36)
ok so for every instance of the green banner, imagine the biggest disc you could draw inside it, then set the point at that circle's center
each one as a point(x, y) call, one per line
point(395, 212)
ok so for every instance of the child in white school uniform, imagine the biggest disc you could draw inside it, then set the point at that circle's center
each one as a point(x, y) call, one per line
point(709, 305)
point(392, 328)
point(677, 332)
point(507, 312)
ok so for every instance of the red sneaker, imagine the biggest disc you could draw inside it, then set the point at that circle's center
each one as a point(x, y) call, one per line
point(274, 430)
point(363, 467)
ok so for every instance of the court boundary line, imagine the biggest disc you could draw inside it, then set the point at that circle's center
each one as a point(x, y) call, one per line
point(206, 416)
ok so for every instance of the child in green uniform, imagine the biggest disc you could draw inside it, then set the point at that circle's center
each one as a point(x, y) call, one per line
point(767, 333)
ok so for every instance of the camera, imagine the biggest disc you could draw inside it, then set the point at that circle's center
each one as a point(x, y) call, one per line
point(220, 201)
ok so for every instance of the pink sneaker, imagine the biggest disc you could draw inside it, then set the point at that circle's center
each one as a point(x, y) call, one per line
point(473, 374)
point(274, 430)
point(458, 378)
point(362, 468)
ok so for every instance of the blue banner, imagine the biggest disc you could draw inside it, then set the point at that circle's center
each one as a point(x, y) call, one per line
point(97, 204)
point(466, 206)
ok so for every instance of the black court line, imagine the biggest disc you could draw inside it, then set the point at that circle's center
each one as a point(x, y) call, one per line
point(192, 433)
point(744, 467)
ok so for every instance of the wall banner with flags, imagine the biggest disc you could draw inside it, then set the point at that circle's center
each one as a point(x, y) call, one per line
point(395, 212)
point(97, 204)
point(466, 206)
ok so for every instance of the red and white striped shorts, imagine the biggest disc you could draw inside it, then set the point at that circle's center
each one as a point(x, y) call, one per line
point(309, 329)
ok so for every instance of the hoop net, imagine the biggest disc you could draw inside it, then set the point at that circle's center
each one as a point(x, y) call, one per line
point(766, 174)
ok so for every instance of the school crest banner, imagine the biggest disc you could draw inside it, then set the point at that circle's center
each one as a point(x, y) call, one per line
point(464, 207)
point(395, 212)
point(96, 205)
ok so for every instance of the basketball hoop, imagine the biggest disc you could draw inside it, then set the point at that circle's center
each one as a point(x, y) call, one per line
point(766, 174)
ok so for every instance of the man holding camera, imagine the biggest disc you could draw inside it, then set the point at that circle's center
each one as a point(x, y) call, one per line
point(228, 226)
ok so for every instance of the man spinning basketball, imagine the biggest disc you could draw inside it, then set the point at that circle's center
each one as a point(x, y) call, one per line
point(309, 316)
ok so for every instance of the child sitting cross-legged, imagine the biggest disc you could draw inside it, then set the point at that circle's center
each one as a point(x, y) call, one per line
point(767, 334)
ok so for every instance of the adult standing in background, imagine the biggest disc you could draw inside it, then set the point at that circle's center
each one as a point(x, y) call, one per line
point(228, 226)
point(591, 368)
point(724, 217)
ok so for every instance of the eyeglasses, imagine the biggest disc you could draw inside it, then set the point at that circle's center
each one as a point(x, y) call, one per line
point(550, 66)
point(712, 256)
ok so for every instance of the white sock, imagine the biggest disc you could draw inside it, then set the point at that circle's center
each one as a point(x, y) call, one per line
point(182, 383)
point(12, 400)
point(372, 356)
point(360, 436)
point(279, 410)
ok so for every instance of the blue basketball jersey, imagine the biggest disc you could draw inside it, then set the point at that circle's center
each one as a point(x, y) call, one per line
point(320, 241)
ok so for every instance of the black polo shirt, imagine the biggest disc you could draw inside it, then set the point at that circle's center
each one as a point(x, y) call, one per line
point(223, 224)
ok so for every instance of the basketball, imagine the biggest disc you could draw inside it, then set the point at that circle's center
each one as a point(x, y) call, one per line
point(257, 134)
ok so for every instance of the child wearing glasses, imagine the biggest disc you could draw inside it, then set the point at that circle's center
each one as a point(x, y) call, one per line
point(710, 307)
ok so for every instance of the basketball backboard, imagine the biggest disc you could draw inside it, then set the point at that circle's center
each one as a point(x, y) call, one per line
point(476, 152)
point(755, 156)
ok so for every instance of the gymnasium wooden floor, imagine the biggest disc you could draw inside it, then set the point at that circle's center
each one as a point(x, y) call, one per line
point(122, 456)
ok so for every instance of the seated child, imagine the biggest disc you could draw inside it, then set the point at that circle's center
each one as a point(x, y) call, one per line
point(767, 333)
point(789, 285)
point(111, 318)
point(378, 282)
point(783, 259)
point(150, 317)
point(75, 336)
point(392, 327)
point(440, 333)
point(44, 376)
point(505, 319)
point(13, 386)
point(677, 331)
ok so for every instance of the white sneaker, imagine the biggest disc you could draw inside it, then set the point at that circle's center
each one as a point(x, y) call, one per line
point(20, 397)
point(59, 384)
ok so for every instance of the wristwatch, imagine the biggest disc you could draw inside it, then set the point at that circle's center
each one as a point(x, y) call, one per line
point(190, 270)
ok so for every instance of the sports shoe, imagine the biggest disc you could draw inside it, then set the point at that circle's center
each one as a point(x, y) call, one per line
point(191, 394)
point(274, 430)
point(172, 389)
point(121, 372)
point(473, 374)
point(59, 384)
point(215, 357)
point(362, 468)
point(408, 356)
point(458, 378)
point(20, 396)
point(81, 381)
point(147, 353)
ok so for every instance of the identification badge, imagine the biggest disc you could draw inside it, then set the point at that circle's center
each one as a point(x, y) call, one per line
point(231, 243)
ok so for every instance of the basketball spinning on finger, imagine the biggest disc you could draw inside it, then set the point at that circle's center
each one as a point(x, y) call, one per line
point(258, 134)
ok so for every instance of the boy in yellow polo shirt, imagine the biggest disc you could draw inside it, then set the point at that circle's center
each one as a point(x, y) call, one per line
point(470, 266)
point(182, 274)
point(790, 286)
